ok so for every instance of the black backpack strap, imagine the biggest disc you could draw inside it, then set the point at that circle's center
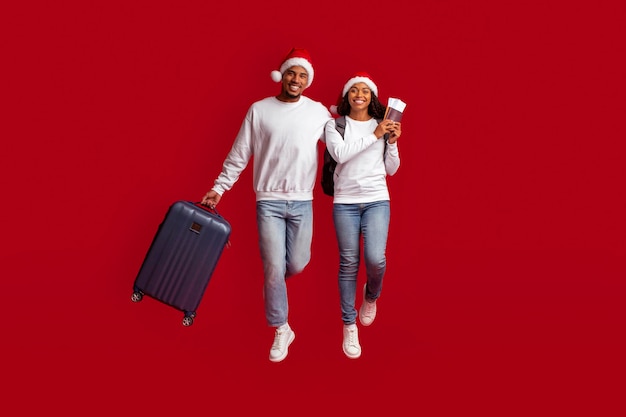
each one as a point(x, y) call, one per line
point(385, 139)
point(340, 124)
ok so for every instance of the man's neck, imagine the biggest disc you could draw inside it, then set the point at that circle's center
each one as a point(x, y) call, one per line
point(287, 98)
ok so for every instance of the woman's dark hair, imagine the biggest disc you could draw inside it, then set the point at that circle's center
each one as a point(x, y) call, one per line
point(375, 109)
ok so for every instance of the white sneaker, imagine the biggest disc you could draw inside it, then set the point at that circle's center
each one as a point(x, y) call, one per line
point(351, 346)
point(282, 339)
point(367, 312)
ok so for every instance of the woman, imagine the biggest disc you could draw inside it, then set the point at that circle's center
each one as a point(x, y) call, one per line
point(365, 155)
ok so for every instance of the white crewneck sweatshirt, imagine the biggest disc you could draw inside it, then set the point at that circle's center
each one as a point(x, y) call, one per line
point(283, 138)
point(360, 175)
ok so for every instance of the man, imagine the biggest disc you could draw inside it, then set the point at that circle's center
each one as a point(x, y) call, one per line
point(282, 133)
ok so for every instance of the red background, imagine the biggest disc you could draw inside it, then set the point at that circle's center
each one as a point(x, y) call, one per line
point(505, 286)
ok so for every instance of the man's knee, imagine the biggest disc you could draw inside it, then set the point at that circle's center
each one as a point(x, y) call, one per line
point(296, 268)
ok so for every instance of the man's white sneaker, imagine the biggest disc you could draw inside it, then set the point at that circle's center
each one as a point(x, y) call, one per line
point(367, 312)
point(351, 346)
point(282, 339)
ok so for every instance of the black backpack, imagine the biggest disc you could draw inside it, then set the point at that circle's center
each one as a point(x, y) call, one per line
point(328, 169)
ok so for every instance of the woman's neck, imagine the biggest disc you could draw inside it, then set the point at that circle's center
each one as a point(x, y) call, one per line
point(360, 115)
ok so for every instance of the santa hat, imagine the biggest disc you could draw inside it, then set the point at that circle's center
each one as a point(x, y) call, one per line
point(359, 77)
point(297, 56)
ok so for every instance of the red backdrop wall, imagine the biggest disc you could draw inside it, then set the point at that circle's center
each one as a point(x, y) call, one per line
point(505, 285)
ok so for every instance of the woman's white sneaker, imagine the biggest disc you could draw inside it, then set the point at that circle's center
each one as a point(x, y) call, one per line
point(367, 312)
point(351, 346)
point(282, 339)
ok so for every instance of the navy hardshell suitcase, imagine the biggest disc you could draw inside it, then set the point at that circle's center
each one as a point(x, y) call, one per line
point(182, 257)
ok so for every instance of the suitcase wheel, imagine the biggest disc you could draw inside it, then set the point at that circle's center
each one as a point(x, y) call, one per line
point(188, 319)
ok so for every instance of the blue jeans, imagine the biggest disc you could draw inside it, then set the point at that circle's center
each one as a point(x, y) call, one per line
point(353, 221)
point(285, 233)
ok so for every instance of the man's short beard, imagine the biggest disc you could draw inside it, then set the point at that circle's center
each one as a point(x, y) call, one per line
point(292, 95)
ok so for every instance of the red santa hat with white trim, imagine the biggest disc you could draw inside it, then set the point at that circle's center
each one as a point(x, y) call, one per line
point(297, 56)
point(360, 77)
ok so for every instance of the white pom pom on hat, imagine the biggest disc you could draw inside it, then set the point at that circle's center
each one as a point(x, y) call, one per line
point(297, 56)
point(276, 76)
point(360, 77)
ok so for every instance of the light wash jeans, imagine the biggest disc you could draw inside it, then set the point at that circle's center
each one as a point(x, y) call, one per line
point(371, 221)
point(285, 233)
